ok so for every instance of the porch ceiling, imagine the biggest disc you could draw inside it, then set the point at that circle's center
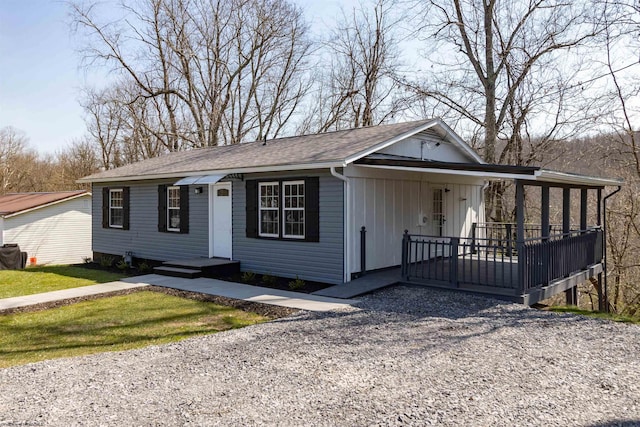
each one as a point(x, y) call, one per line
point(487, 171)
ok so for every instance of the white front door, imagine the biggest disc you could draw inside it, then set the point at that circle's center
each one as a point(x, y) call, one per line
point(220, 220)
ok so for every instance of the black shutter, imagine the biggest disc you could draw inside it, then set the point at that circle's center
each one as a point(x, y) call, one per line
point(105, 207)
point(312, 209)
point(162, 208)
point(184, 209)
point(125, 208)
point(252, 208)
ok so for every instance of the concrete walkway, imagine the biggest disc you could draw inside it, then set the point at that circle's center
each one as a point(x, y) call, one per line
point(246, 292)
point(368, 283)
point(206, 286)
point(82, 291)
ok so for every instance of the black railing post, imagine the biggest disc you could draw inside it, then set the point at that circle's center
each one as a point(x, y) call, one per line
point(363, 250)
point(509, 237)
point(453, 271)
point(474, 227)
point(404, 262)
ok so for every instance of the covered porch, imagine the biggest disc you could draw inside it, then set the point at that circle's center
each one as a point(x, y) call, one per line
point(526, 261)
point(525, 271)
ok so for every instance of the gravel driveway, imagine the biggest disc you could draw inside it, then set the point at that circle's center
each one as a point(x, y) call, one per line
point(406, 356)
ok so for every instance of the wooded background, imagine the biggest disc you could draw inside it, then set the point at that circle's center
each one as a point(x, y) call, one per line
point(526, 82)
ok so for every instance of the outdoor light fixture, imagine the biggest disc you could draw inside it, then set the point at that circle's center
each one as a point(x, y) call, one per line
point(198, 190)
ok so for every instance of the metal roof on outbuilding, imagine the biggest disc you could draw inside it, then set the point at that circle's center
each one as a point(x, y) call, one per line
point(14, 203)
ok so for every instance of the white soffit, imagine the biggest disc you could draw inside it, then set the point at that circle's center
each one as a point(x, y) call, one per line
point(202, 179)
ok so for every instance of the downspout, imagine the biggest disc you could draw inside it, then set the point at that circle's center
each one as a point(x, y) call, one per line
point(345, 220)
point(604, 247)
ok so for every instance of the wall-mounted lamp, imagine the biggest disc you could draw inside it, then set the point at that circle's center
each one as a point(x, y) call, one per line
point(198, 190)
point(446, 190)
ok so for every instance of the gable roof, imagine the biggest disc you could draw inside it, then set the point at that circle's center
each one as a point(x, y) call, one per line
point(323, 150)
point(16, 203)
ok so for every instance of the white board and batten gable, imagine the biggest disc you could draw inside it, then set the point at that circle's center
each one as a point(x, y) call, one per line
point(429, 145)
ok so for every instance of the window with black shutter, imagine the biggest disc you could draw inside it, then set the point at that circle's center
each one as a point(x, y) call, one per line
point(283, 209)
point(173, 208)
point(115, 207)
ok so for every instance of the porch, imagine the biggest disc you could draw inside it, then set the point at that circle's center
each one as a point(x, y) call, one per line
point(453, 246)
point(526, 271)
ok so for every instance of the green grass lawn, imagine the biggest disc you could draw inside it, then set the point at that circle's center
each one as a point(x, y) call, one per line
point(597, 314)
point(112, 324)
point(34, 280)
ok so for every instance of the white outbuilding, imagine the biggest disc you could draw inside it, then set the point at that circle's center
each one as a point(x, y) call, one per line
point(53, 228)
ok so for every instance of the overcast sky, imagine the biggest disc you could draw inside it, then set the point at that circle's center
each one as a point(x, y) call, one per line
point(40, 73)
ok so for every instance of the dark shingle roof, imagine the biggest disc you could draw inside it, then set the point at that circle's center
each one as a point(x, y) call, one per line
point(18, 202)
point(299, 150)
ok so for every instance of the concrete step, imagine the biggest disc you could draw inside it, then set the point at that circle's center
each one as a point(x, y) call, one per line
point(187, 273)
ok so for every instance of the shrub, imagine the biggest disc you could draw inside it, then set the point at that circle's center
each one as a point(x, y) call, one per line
point(296, 284)
point(143, 267)
point(248, 276)
point(122, 265)
point(268, 279)
point(106, 261)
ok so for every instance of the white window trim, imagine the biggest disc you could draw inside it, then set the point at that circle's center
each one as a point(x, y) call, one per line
point(285, 209)
point(169, 208)
point(111, 192)
point(260, 208)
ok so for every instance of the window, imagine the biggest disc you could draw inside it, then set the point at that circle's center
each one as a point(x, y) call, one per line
point(115, 207)
point(438, 211)
point(293, 209)
point(283, 209)
point(269, 208)
point(173, 208)
point(116, 216)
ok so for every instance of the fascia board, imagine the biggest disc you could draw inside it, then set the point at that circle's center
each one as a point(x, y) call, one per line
point(450, 135)
point(455, 138)
point(389, 142)
point(485, 175)
point(572, 179)
point(280, 168)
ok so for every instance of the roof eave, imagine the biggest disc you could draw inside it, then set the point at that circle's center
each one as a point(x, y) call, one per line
point(456, 172)
point(545, 175)
point(256, 169)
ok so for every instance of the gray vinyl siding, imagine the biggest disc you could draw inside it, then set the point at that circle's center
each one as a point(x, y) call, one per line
point(143, 237)
point(316, 261)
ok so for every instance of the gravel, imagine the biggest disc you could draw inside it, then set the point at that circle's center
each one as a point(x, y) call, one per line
point(405, 356)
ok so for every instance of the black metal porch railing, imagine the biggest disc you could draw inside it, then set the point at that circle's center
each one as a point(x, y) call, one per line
point(545, 260)
point(504, 233)
point(493, 263)
point(454, 260)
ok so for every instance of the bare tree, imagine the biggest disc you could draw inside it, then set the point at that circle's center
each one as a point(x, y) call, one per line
point(77, 160)
point(202, 73)
point(359, 85)
point(619, 153)
point(15, 161)
point(508, 69)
